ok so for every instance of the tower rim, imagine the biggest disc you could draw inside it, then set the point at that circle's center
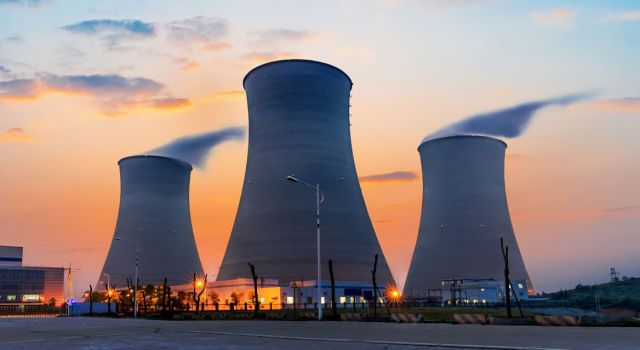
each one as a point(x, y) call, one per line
point(465, 136)
point(175, 160)
point(244, 81)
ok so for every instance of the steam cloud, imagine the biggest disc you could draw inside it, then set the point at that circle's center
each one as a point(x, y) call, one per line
point(509, 122)
point(194, 149)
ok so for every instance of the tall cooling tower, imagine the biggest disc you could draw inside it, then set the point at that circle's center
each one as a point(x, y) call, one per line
point(299, 124)
point(154, 211)
point(464, 214)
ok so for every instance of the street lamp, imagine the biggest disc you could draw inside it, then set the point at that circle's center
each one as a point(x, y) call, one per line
point(319, 199)
point(108, 280)
point(135, 285)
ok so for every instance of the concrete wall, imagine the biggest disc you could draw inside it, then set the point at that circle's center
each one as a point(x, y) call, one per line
point(299, 124)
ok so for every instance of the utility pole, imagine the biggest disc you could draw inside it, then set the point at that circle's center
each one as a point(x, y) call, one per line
point(614, 275)
point(69, 286)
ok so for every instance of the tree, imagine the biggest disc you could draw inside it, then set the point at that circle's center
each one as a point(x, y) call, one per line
point(90, 300)
point(334, 306)
point(198, 283)
point(507, 282)
point(214, 297)
point(375, 286)
point(256, 302)
point(235, 297)
point(180, 299)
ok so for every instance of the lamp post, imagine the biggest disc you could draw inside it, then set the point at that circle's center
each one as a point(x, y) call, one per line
point(108, 280)
point(135, 286)
point(319, 199)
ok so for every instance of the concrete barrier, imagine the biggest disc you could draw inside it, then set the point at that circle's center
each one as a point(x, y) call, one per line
point(557, 320)
point(407, 318)
point(352, 317)
point(276, 315)
point(513, 321)
point(377, 319)
point(309, 315)
point(470, 318)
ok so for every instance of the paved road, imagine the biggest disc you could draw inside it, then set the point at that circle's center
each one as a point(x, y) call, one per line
point(106, 333)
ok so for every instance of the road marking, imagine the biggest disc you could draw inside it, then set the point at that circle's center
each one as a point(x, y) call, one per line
point(381, 342)
point(74, 337)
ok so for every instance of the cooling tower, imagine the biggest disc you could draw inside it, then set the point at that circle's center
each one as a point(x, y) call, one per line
point(464, 214)
point(299, 124)
point(154, 211)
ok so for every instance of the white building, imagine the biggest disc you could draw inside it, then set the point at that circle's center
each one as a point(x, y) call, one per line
point(462, 291)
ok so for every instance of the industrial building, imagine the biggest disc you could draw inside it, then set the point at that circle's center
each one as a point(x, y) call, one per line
point(299, 125)
point(460, 291)
point(153, 229)
point(28, 284)
point(464, 215)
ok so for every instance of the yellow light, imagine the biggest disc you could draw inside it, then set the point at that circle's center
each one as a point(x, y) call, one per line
point(110, 292)
point(395, 294)
point(199, 283)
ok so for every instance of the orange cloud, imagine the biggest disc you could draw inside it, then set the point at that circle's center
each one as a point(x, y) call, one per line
point(15, 135)
point(186, 64)
point(561, 17)
point(168, 103)
point(626, 104)
point(227, 96)
point(396, 176)
point(230, 95)
point(114, 92)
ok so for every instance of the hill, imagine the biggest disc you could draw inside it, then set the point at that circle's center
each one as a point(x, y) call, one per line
point(623, 294)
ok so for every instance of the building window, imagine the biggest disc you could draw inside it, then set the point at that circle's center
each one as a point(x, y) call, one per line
point(31, 297)
point(520, 285)
point(322, 300)
point(343, 300)
point(289, 300)
point(11, 297)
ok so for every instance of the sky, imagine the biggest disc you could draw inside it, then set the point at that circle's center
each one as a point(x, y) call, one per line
point(83, 84)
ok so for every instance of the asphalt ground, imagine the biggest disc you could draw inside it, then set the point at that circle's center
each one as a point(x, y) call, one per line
point(113, 333)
